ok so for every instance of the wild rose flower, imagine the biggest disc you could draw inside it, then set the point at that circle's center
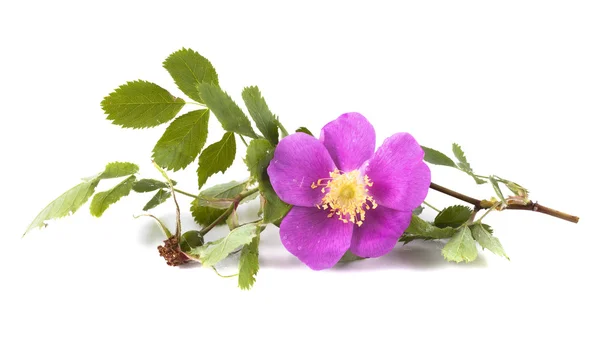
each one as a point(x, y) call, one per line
point(346, 195)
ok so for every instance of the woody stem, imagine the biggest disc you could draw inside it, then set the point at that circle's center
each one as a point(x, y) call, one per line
point(531, 206)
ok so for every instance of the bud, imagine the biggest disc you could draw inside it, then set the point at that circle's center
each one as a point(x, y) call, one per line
point(191, 239)
point(521, 194)
point(488, 203)
point(517, 189)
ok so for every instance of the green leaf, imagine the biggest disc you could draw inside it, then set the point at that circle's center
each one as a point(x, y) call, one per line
point(161, 196)
point(146, 185)
point(488, 228)
point(464, 165)
point(227, 190)
point(461, 247)
point(66, 204)
point(517, 189)
point(350, 257)
point(437, 158)
point(205, 215)
point(103, 200)
point(189, 69)
point(141, 104)
point(248, 264)
point(497, 189)
point(272, 207)
point(259, 111)
point(419, 227)
point(163, 173)
point(258, 156)
point(214, 252)
point(453, 216)
point(250, 197)
point(487, 241)
point(304, 130)
point(284, 132)
point(118, 169)
point(417, 211)
point(230, 115)
point(74, 198)
point(407, 238)
point(221, 196)
point(462, 159)
point(216, 157)
point(182, 141)
point(233, 221)
point(478, 180)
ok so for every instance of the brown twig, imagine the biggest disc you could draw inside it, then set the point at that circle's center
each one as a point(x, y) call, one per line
point(480, 204)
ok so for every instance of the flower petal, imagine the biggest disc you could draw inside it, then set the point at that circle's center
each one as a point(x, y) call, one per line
point(316, 240)
point(380, 232)
point(400, 177)
point(299, 160)
point(350, 140)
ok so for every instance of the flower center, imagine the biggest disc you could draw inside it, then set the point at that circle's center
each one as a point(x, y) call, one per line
point(347, 197)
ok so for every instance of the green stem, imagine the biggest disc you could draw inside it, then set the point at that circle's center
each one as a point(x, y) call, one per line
point(480, 176)
point(185, 193)
point(283, 130)
point(488, 211)
point(243, 140)
point(431, 206)
point(247, 193)
point(177, 209)
point(501, 180)
point(234, 204)
point(223, 276)
point(253, 222)
point(195, 103)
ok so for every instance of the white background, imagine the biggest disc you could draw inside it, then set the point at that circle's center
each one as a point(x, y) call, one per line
point(515, 82)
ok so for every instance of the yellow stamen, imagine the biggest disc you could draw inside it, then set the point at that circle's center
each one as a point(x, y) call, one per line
point(346, 196)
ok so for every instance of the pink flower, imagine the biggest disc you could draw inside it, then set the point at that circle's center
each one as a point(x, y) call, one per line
point(345, 195)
